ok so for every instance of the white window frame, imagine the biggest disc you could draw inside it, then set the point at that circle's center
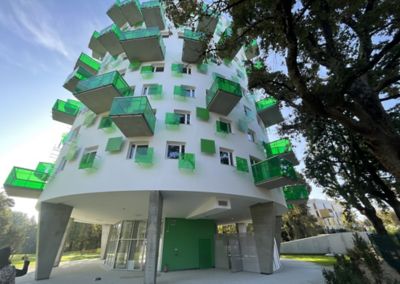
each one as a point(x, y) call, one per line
point(187, 69)
point(254, 160)
point(182, 148)
point(191, 90)
point(133, 148)
point(251, 135)
point(230, 156)
point(186, 115)
point(158, 68)
point(228, 122)
point(145, 89)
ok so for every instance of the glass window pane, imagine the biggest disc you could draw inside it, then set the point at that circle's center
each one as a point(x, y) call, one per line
point(173, 151)
point(142, 149)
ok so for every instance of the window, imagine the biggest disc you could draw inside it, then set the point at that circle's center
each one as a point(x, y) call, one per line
point(61, 165)
point(174, 150)
point(187, 70)
point(158, 68)
point(254, 160)
point(184, 116)
point(251, 135)
point(88, 158)
point(189, 91)
point(247, 111)
point(134, 149)
point(146, 89)
point(226, 156)
point(224, 126)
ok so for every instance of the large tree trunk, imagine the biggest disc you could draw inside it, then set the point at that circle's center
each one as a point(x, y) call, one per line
point(369, 211)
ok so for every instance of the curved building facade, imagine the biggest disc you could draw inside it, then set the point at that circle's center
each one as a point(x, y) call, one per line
point(165, 144)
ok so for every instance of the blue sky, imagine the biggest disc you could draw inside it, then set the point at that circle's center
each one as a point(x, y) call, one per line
point(41, 40)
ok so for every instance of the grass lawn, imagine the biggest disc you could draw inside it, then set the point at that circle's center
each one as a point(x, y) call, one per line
point(67, 256)
point(317, 259)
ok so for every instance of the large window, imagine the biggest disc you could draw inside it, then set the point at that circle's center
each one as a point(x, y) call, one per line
point(174, 149)
point(137, 148)
point(184, 116)
point(187, 70)
point(189, 91)
point(251, 135)
point(224, 126)
point(226, 156)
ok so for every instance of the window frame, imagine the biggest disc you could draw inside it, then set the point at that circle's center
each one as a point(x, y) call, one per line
point(182, 149)
point(230, 156)
point(132, 149)
point(186, 116)
point(189, 89)
point(228, 123)
point(251, 135)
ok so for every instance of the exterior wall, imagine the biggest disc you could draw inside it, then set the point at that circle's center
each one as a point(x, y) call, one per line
point(185, 244)
point(209, 177)
point(333, 243)
point(328, 213)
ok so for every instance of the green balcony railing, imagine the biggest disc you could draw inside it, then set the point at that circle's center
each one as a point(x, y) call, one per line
point(277, 147)
point(187, 161)
point(192, 35)
point(207, 146)
point(69, 107)
point(271, 169)
point(133, 106)
point(80, 73)
point(141, 33)
point(202, 113)
point(172, 119)
point(112, 78)
point(112, 29)
point(27, 179)
point(89, 61)
point(242, 165)
point(144, 156)
point(265, 104)
point(155, 90)
point(177, 69)
point(89, 161)
point(223, 85)
point(114, 144)
point(295, 192)
point(151, 4)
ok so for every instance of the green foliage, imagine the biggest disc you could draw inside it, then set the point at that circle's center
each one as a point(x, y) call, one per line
point(298, 224)
point(82, 237)
point(323, 260)
point(362, 266)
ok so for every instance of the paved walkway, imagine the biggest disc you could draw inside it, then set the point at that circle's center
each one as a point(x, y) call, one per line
point(87, 271)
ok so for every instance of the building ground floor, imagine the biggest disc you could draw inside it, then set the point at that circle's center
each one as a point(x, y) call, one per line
point(295, 272)
point(154, 243)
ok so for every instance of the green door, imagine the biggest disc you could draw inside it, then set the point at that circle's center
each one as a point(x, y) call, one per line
point(205, 253)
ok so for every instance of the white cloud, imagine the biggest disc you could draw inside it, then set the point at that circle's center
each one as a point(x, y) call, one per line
point(33, 22)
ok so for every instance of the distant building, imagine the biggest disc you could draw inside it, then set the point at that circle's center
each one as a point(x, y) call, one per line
point(328, 213)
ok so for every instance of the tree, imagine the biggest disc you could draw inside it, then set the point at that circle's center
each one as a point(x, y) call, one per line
point(5, 218)
point(298, 223)
point(336, 161)
point(83, 237)
point(341, 59)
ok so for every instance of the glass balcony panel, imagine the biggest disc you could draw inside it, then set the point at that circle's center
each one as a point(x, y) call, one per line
point(114, 144)
point(66, 111)
point(296, 193)
point(145, 157)
point(207, 146)
point(242, 165)
point(223, 96)
point(110, 39)
point(187, 161)
point(202, 113)
point(133, 116)
point(89, 63)
point(268, 111)
point(172, 119)
point(273, 173)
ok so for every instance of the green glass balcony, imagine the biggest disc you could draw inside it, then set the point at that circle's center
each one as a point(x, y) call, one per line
point(98, 50)
point(187, 162)
point(177, 69)
point(155, 91)
point(26, 183)
point(143, 45)
point(194, 46)
point(202, 68)
point(125, 11)
point(281, 148)
point(223, 96)
point(89, 161)
point(207, 22)
point(172, 119)
point(251, 50)
point(66, 111)
point(268, 111)
point(133, 116)
point(110, 39)
point(207, 146)
point(228, 45)
point(296, 194)
point(106, 124)
point(273, 173)
point(144, 156)
point(147, 71)
point(202, 113)
point(88, 63)
point(73, 79)
point(98, 92)
point(242, 165)
point(153, 14)
point(114, 144)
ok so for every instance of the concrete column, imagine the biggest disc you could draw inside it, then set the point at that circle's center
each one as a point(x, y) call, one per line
point(278, 231)
point(241, 228)
point(105, 232)
point(153, 236)
point(264, 219)
point(53, 220)
point(62, 245)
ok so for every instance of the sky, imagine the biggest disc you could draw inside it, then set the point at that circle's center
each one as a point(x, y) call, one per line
point(41, 41)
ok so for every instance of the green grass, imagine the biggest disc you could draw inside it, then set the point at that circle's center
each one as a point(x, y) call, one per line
point(67, 256)
point(317, 259)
